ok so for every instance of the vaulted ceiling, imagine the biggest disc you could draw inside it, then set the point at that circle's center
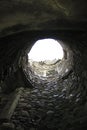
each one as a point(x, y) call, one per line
point(17, 15)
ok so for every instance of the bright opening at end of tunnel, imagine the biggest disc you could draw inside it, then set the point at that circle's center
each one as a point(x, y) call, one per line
point(46, 50)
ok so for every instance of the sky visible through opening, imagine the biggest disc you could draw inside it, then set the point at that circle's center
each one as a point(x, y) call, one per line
point(46, 50)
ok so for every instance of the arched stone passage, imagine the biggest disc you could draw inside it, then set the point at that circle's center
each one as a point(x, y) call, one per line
point(48, 63)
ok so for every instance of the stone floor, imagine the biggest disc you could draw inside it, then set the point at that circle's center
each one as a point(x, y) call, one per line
point(51, 107)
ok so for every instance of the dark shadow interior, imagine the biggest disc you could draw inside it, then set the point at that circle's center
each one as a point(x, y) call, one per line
point(32, 102)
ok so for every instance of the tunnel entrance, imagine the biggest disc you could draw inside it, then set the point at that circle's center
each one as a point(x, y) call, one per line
point(43, 57)
point(48, 51)
point(48, 60)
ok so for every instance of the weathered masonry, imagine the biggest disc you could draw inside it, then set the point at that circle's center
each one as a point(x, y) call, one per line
point(47, 91)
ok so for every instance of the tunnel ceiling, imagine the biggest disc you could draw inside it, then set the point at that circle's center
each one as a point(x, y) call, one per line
point(42, 14)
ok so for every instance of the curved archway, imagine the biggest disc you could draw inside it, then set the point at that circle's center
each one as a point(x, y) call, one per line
point(48, 51)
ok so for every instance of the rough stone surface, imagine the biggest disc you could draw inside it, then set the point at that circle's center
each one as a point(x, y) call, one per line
point(18, 15)
point(55, 105)
point(8, 126)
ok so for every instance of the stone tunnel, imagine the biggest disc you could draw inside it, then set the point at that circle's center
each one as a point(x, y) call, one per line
point(45, 94)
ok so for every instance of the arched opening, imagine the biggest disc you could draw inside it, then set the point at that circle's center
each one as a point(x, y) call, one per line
point(43, 57)
point(48, 51)
point(48, 60)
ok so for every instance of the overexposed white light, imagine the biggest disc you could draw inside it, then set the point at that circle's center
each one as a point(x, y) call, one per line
point(46, 50)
